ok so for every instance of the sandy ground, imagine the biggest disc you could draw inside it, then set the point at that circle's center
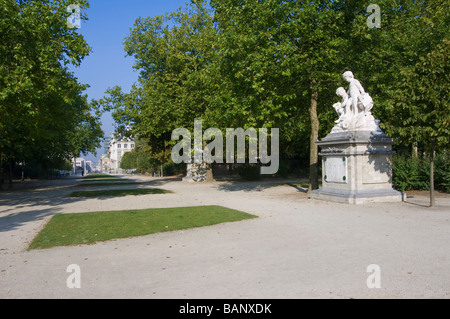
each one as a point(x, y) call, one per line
point(297, 248)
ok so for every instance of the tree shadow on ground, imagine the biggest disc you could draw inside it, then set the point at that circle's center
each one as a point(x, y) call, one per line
point(127, 183)
point(42, 193)
point(39, 199)
point(261, 185)
point(155, 181)
point(298, 187)
point(18, 208)
point(16, 220)
point(29, 185)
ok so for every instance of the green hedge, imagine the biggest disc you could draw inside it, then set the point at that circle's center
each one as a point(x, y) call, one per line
point(414, 173)
point(170, 169)
point(250, 172)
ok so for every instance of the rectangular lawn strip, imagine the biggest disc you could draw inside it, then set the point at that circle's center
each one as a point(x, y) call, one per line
point(96, 176)
point(107, 184)
point(102, 180)
point(119, 192)
point(89, 228)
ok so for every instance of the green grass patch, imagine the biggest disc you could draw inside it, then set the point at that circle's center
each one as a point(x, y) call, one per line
point(89, 228)
point(112, 183)
point(119, 192)
point(98, 180)
point(97, 176)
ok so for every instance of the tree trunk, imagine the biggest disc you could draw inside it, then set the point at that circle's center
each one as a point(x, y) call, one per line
point(432, 173)
point(10, 173)
point(415, 150)
point(209, 173)
point(1, 170)
point(313, 153)
point(44, 171)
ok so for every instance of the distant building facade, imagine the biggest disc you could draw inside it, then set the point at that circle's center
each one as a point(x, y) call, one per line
point(80, 166)
point(116, 149)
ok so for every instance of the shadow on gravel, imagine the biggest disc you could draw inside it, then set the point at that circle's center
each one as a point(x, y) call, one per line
point(38, 197)
point(258, 186)
point(21, 206)
point(30, 195)
point(16, 220)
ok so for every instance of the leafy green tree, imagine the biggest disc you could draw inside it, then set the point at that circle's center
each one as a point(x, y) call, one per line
point(411, 74)
point(43, 112)
point(172, 53)
point(274, 63)
point(281, 59)
point(425, 110)
point(128, 160)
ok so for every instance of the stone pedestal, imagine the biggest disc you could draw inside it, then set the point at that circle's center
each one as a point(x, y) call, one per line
point(195, 172)
point(356, 168)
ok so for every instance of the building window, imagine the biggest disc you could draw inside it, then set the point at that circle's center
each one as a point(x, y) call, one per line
point(132, 146)
point(125, 145)
point(119, 145)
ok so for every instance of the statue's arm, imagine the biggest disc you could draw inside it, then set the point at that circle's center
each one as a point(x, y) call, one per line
point(360, 87)
point(344, 100)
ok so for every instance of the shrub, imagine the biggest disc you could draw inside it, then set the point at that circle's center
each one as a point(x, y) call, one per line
point(250, 172)
point(414, 173)
point(170, 169)
point(283, 169)
point(128, 160)
point(410, 174)
point(442, 172)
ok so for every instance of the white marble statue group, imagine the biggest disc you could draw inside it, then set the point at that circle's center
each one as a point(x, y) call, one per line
point(355, 108)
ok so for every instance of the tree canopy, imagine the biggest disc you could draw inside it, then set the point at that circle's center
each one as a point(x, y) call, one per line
point(45, 118)
point(277, 64)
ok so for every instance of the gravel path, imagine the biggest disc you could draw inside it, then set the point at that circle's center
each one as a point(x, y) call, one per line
point(297, 248)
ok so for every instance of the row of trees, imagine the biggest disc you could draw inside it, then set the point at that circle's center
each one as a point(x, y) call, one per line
point(142, 160)
point(44, 117)
point(276, 63)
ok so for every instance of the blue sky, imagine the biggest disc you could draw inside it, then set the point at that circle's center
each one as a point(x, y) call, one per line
point(109, 23)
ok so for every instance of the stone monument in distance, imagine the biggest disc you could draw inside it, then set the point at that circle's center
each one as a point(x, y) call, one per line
point(356, 155)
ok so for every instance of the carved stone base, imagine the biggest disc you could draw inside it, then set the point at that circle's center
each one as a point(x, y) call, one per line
point(357, 196)
point(357, 168)
point(361, 122)
point(195, 173)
